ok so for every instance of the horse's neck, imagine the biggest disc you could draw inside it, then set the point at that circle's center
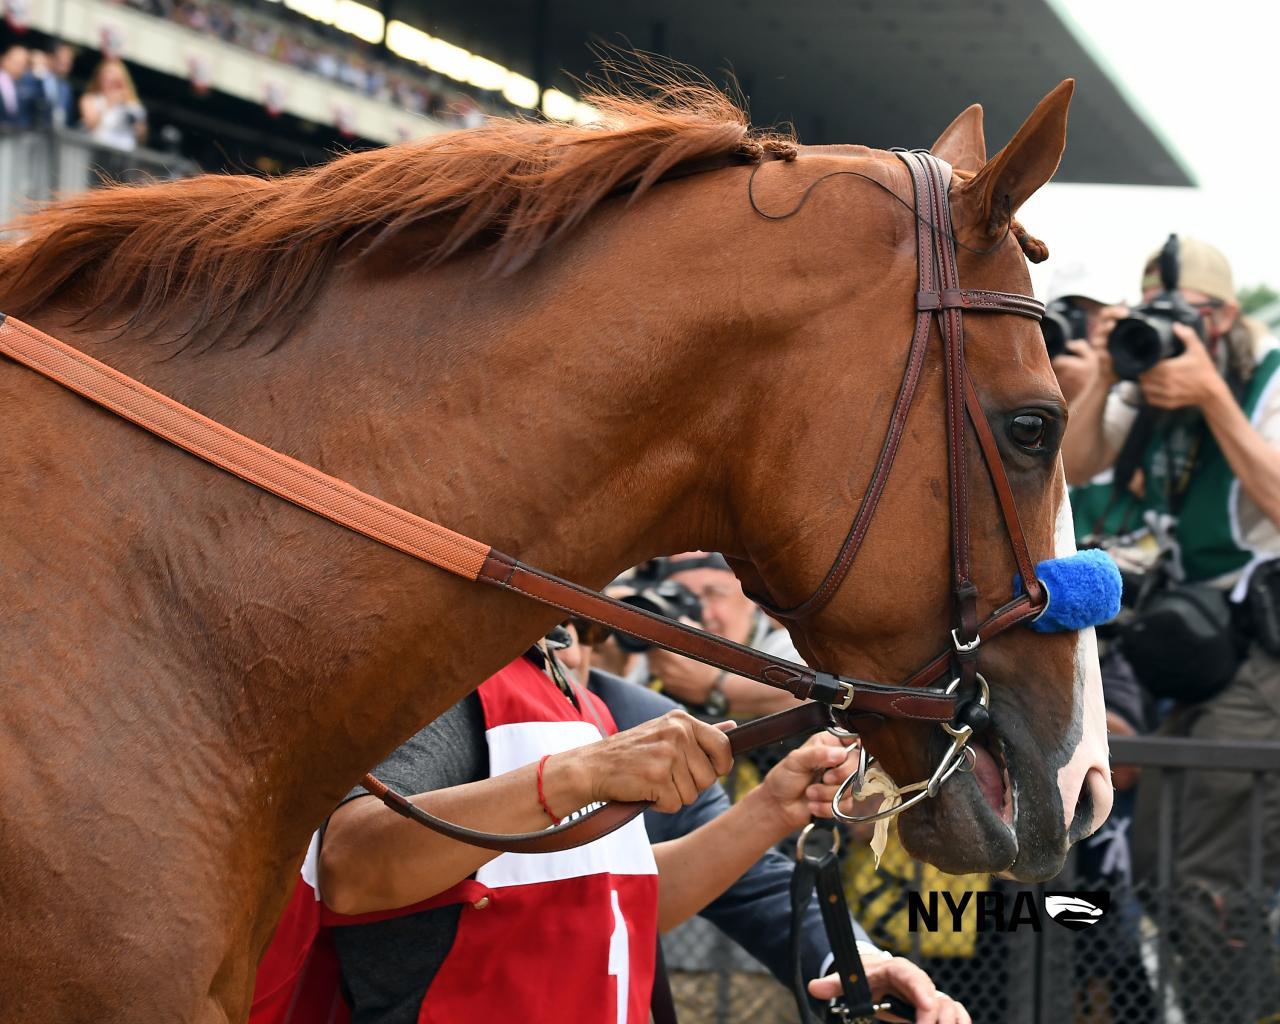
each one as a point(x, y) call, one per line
point(521, 426)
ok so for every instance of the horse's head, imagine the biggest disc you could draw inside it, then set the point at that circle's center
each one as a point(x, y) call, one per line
point(1040, 779)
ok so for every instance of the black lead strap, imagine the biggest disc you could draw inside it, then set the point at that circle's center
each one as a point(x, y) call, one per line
point(818, 868)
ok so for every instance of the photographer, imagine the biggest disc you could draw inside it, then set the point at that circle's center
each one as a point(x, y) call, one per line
point(1082, 310)
point(728, 612)
point(1193, 432)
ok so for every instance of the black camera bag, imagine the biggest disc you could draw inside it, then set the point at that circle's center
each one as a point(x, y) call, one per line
point(1264, 606)
point(1182, 645)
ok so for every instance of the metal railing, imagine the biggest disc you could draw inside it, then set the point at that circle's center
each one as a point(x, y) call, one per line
point(40, 164)
point(1152, 958)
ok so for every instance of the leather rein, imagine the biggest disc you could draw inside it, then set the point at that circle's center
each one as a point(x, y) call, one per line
point(835, 700)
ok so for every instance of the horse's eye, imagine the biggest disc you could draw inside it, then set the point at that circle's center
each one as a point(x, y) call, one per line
point(1028, 430)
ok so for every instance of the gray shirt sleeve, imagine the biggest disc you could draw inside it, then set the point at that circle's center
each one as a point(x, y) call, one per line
point(450, 751)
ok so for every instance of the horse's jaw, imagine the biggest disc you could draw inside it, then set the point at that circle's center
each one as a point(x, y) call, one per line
point(1008, 816)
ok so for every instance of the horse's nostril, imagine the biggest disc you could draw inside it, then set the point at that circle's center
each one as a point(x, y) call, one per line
point(1082, 821)
point(1092, 805)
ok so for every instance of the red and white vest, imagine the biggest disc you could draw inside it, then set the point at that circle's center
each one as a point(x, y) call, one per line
point(543, 938)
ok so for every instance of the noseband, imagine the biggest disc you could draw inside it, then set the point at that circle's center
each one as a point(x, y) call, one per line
point(837, 701)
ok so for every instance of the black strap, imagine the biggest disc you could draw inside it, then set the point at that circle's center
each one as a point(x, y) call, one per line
point(662, 1005)
point(817, 867)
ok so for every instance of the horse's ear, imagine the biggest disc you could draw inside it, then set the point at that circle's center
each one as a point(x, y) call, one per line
point(962, 144)
point(992, 196)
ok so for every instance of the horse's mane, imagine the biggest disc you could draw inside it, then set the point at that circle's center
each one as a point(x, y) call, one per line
point(238, 252)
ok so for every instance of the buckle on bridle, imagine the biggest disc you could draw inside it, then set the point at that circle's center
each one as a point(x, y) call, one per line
point(965, 648)
point(844, 703)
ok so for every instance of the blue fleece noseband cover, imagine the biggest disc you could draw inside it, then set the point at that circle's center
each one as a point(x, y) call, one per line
point(1083, 590)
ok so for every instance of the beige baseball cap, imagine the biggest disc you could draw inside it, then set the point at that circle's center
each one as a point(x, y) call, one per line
point(1202, 269)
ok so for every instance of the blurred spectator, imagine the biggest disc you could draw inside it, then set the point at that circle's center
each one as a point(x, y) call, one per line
point(727, 612)
point(328, 52)
point(14, 113)
point(110, 108)
point(64, 101)
point(45, 95)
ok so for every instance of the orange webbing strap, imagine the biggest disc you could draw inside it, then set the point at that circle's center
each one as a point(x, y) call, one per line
point(261, 466)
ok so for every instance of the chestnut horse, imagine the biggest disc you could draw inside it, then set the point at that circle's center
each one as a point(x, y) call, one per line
point(518, 332)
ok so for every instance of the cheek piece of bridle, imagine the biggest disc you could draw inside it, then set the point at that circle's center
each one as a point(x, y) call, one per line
point(960, 708)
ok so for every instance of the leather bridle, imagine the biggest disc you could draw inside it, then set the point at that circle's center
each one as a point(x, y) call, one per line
point(836, 700)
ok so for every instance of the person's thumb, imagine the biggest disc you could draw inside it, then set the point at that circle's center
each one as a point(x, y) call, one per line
point(825, 988)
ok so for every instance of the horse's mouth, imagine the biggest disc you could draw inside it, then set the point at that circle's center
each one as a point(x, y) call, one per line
point(991, 773)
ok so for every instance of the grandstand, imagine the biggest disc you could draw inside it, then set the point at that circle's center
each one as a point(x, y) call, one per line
point(268, 85)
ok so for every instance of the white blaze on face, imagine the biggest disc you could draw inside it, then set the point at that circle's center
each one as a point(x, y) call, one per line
point(1090, 763)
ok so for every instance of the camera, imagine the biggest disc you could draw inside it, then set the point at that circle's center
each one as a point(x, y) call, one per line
point(669, 598)
point(1063, 321)
point(1145, 336)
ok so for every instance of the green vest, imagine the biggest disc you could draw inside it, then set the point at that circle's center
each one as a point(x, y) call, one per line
point(1208, 529)
point(1096, 515)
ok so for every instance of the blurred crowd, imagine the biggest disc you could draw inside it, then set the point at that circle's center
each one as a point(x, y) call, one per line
point(274, 32)
point(36, 91)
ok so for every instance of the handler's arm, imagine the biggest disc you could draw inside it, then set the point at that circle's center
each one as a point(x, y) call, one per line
point(696, 868)
point(373, 859)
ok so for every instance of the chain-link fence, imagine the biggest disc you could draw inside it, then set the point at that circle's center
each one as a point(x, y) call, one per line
point(1166, 950)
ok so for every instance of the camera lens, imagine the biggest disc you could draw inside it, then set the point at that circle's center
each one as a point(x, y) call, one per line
point(1055, 329)
point(634, 644)
point(669, 599)
point(1138, 342)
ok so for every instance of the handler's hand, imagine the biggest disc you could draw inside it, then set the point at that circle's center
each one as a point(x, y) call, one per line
point(1187, 379)
point(908, 982)
point(667, 762)
point(802, 784)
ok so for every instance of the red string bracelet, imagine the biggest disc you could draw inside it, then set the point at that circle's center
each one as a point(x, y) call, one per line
point(542, 796)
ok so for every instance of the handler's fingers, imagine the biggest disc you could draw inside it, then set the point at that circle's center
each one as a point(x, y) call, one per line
point(907, 981)
point(825, 988)
point(951, 1012)
point(715, 744)
point(700, 768)
point(808, 760)
point(682, 778)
